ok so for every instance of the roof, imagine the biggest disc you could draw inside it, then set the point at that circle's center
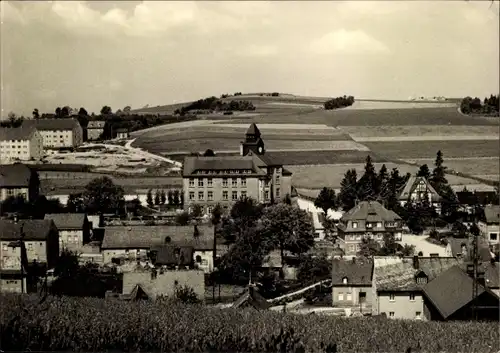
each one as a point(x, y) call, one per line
point(371, 211)
point(137, 293)
point(492, 213)
point(476, 198)
point(67, 220)
point(357, 273)
point(52, 124)
point(253, 130)
point(96, 124)
point(451, 290)
point(253, 298)
point(192, 164)
point(456, 247)
point(15, 175)
point(167, 255)
point(412, 183)
point(34, 229)
point(394, 273)
point(18, 133)
point(144, 237)
point(122, 130)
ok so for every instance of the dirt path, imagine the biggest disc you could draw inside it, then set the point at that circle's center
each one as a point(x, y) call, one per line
point(145, 154)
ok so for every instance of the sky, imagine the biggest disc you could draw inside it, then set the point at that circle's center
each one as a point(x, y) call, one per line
point(131, 53)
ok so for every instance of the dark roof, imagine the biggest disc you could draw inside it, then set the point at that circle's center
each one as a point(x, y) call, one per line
point(450, 291)
point(122, 130)
point(394, 273)
point(67, 220)
point(476, 198)
point(34, 229)
point(144, 237)
point(253, 298)
point(491, 272)
point(253, 130)
point(357, 273)
point(18, 133)
point(412, 183)
point(466, 198)
point(456, 247)
point(168, 255)
point(371, 211)
point(192, 164)
point(15, 175)
point(52, 124)
point(492, 213)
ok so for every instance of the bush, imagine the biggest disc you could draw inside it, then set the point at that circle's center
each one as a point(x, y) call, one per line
point(91, 324)
point(186, 295)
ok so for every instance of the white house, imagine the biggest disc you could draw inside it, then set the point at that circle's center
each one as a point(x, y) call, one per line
point(21, 143)
point(58, 133)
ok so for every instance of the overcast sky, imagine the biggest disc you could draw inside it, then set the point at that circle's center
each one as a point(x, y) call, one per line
point(90, 54)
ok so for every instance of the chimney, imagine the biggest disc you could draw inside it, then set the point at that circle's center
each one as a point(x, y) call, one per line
point(416, 264)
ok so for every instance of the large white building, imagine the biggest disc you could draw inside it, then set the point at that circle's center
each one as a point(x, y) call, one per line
point(22, 143)
point(58, 133)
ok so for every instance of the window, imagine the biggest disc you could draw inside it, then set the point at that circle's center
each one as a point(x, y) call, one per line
point(198, 258)
point(412, 297)
point(201, 195)
point(4, 247)
point(209, 182)
point(391, 313)
point(191, 195)
point(379, 224)
point(493, 236)
point(277, 179)
point(392, 297)
point(234, 195)
point(266, 195)
point(225, 195)
point(341, 296)
point(243, 182)
point(349, 296)
point(418, 315)
point(210, 195)
point(191, 182)
point(368, 225)
point(344, 280)
point(234, 182)
point(76, 238)
point(355, 224)
point(243, 194)
point(30, 246)
point(210, 209)
point(200, 182)
point(224, 182)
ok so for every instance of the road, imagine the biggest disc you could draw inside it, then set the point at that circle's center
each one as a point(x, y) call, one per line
point(145, 154)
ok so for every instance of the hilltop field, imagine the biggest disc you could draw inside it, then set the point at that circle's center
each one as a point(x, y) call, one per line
point(319, 145)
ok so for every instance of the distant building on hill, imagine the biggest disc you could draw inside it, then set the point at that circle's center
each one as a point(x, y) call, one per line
point(122, 133)
point(95, 129)
point(208, 181)
point(58, 133)
point(21, 143)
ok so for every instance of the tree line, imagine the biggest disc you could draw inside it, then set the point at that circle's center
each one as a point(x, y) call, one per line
point(339, 102)
point(489, 106)
point(214, 104)
point(174, 197)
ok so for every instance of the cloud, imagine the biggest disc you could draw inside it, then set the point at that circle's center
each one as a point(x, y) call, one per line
point(259, 51)
point(348, 42)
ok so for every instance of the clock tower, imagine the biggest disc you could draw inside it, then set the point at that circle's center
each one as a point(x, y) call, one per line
point(253, 142)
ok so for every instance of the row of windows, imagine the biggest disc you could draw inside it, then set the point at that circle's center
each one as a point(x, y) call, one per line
point(218, 172)
point(75, 239)
point(30, 246)
point(210, 195)
point(418, 314)
point(234, 182)
point(14, 146)
point(392, 297)
point(373, 224)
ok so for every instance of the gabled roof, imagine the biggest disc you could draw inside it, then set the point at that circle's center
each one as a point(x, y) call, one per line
point(137, 293)
point(34, 229)
point(67, 220)
point(456, 247)
point(192, 164)
point(96, 124)
point(450, 291)
point(253, 298)
point(52, 124)
point(371, 211)
point(253, 130)
point(357, 273)
point(18, 133)
point(15, 175)
point(394, 273)
point(411, 185)
point(144, 237)
point(492, 213)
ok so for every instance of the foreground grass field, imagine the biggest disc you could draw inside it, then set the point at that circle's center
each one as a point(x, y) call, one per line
point(89, 324)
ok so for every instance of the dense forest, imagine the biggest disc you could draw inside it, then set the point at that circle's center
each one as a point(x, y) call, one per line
point(212, 104)
point(489, 106)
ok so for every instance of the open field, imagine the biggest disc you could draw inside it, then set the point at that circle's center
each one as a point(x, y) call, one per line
point(403, 150)
point(330, 175)
point(472, 166)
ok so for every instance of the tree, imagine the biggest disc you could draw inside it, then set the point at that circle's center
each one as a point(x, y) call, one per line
point(368, 187)
point(289, 228)
point(58, 112)
point(182, 219)
point(163, 197)
point(368, 248)
point(326, 200)
point(65, 112)
point(75, 203)
point(424, 171)
point(127, 109)
point(348, 190)
point(82, 112)
point(176, 199)
point(102, 195)
point(314, 269)
point(383, 183)
point(170, 197)
point(287, 199)
point(196, 232)
point(67, 265)
point(106, 110)
point(474, 230)
point(413, 220)
point(149, 198)
point(186, 295)
point(36, 114)
point(438, 178)
point(157, 197)
point(209, 153)
point(244, 214)
point(197, 211)
point(14, 204)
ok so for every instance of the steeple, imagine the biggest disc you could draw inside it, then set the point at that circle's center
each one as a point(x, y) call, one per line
point(253, 133)
point(253, 142)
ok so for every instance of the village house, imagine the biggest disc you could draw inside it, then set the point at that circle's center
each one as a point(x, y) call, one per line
point(469, 200)
point(18, 180)
point(489, 226)
point(462, 248)
point(58, 133)
point(208, 181)
point(21, 143)
point(95, 129)
point(132, 243)
point(352, 284)
point(416, 189)
point(122, 133)
point(74, 230)
point(367, 219)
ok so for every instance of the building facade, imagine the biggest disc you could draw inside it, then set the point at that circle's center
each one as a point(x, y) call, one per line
point(367, 219)
point(208, 181)
point(417, 189)
point(18, 180)
point(74, 230)
point(352, 284)
point(95, 129)
point(58, 133)
point(489, 226)
point(122, 134)
point(22, 143)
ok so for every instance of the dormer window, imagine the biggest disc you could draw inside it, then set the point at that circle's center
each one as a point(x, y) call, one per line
point(421, 278)
point(344, 280)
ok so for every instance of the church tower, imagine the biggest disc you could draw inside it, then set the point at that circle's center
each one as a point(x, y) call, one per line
point(253, 142)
